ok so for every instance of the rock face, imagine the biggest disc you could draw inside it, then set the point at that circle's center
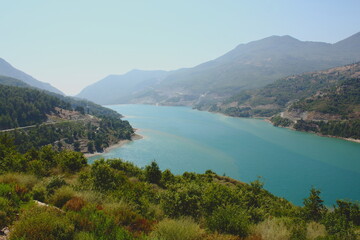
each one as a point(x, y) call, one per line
point(5, 233)
point(7, 70)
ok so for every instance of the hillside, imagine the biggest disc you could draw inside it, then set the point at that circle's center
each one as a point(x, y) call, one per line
point(248, 66)
point(47, 194)
point(35, 118)
point(276, 97)
point(333, 112)
point(7, 70)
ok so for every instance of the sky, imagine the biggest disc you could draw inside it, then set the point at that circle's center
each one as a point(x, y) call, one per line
point(74, 43)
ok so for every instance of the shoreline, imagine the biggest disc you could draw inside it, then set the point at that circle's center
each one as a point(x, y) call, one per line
point(316, 133)
point(115, 145)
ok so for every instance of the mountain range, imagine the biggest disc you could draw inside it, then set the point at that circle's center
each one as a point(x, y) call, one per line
point(9, 71)
point(248, 66)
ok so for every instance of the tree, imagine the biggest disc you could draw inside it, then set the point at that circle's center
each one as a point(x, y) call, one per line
point(314, 208)
point(90, 146)
point(153, 173)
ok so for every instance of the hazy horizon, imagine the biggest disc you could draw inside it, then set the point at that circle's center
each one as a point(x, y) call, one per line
point(74, 44)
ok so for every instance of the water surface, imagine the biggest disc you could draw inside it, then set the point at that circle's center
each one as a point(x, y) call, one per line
point(290, 162)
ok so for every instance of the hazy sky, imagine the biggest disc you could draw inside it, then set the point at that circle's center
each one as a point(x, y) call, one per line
point(73, 43)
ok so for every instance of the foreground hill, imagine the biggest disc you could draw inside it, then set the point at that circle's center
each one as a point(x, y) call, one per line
point(46, 194)
point(248, 66)
point(7, 70)
point(36, 118)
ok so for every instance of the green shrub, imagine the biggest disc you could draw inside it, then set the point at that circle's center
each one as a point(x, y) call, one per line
point(106, 178)
point(70, 161)
point(7, 191)
point(180, 229)
point(37, 168)
point(182, 200)
point(230, 219)
point(153, 173)
point(7, 212)
point(167, 178)
point(84, 236)
point(96, 222)
point(61, 196)
point(42, 223)
point(39, 192)
point(122, 212)
point(55, 183)
point(129, 168)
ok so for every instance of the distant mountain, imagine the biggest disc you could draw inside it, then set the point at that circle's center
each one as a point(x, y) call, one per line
point(248, 66)
point(120, 88)
point(7, 70)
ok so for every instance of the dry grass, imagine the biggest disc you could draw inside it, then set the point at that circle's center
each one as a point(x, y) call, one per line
point(181, 229)
point(272, 229)
point(22, 179)
point(217, 236)
point(314, 230)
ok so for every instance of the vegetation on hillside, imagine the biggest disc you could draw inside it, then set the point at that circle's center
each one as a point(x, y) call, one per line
point(114, 199)
point(42, 118)
point(275, 97)
point(22, 106)
point(332, 112)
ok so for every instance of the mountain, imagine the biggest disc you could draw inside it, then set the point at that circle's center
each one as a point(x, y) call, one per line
point(7, 70)
point(277, 96)
point(248, 66)
point(119, 88)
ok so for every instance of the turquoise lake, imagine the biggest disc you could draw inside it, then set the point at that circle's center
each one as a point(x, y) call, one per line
point(289, 162)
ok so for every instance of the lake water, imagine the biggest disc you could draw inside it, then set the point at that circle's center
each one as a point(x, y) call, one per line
point(289, 162)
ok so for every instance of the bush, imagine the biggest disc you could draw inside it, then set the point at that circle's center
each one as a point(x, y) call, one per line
point(70, 161)
point(181, 229)
point(104, 177)
point(96, 222)
point(7, 212)
point(182, 200)
point(74, 204)
point(122, 212)
point(42, 223)
point(229, 219)
point(84, 236)
point(39, 192)
point(61, 196)
point(55, 183)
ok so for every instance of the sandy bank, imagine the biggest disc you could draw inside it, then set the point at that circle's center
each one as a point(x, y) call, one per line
point(116, 145)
